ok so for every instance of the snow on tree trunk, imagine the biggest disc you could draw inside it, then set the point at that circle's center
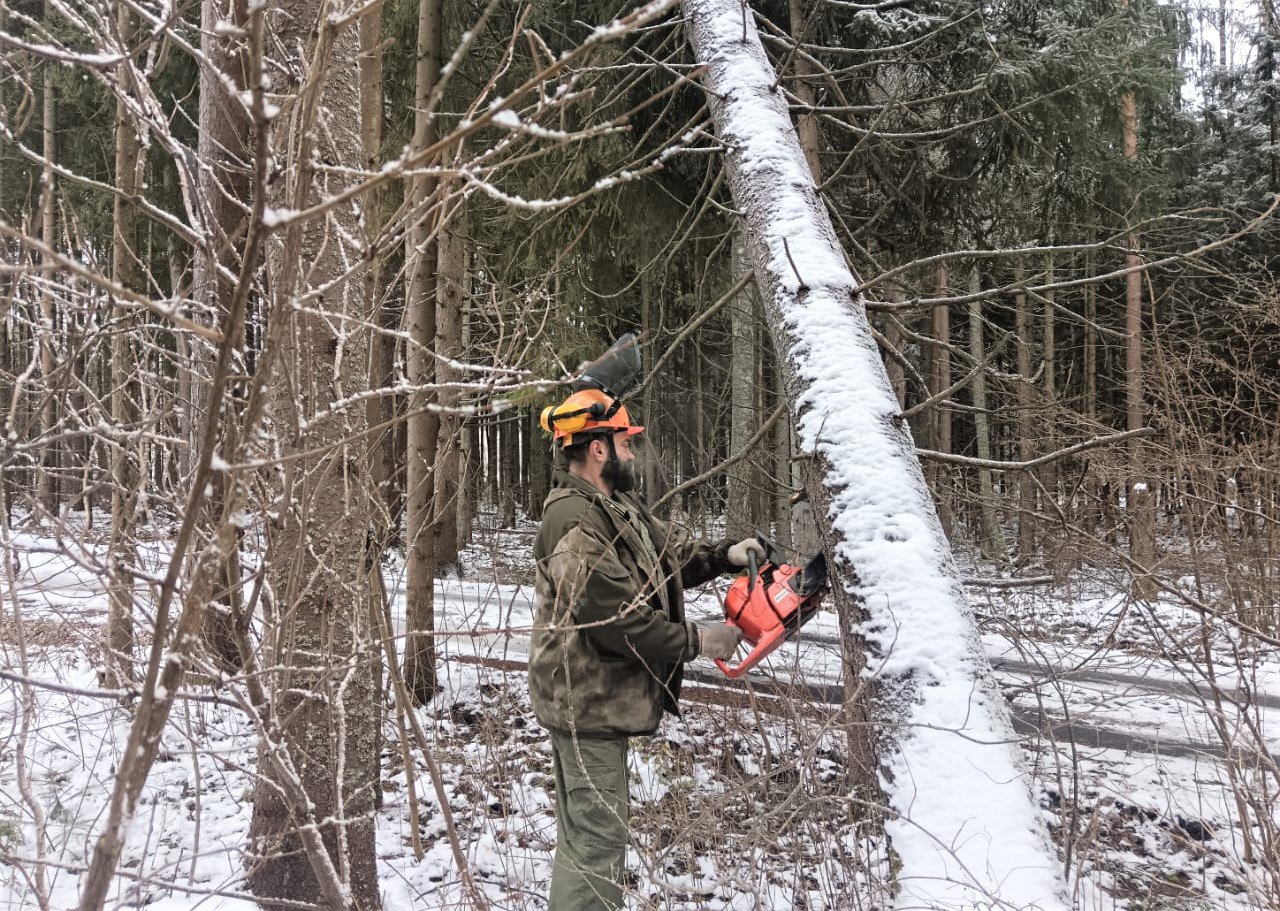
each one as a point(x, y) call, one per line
point(962, 819)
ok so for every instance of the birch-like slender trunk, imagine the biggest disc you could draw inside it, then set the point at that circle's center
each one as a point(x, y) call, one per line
point(126, 473)
point(47, 485)
point(423, 425)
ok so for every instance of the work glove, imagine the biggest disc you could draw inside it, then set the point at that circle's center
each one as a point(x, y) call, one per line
point(739, 553)
point(718, 641)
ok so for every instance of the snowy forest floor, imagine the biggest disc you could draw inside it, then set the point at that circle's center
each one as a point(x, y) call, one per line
point(741, 804)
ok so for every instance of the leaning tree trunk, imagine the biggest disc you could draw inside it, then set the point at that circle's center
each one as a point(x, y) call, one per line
point(313, 812)
point(946, 750)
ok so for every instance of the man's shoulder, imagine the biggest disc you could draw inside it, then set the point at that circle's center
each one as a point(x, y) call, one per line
point(565, 509)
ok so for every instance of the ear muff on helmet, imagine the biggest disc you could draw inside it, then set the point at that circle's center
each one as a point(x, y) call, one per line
point(572, 420)
point(586, 411)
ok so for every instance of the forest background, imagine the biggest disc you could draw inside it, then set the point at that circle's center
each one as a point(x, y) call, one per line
point(286, 286)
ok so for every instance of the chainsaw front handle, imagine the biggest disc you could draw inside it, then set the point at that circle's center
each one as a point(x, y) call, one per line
point(768, 642)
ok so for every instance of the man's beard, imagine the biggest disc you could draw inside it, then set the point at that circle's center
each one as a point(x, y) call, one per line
point(621, 476)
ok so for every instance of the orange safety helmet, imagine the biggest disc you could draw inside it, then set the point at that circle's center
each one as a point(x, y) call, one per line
point(585, 412)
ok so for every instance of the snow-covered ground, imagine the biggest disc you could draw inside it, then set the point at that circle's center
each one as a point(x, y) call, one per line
point(741, 804)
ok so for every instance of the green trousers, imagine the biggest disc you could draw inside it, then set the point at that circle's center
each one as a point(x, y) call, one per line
point(592, 823)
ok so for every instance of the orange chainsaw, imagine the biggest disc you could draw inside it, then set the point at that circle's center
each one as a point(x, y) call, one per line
point(771, 602)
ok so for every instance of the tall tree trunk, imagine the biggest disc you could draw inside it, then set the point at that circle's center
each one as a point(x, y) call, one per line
point(126, 468)
point(807, 121)
point(510, 430)
point(782, 451)
point(1141, 507)
point(940, 374)
point(1049, 474)
point(1093, 508)
point(423, 425)
point(468, 455)
point(226, 151)
point(47, 486)
point(451, 297)
point(1026, 490)
point(824, 334)
point(742, 411)
point(491, 484)
point(313, 822)
point(1271, 31)
point(703, 433)
point(384, 518)
point(989, 537)
point(381, 408)
point(651, 441)
point(893, 338)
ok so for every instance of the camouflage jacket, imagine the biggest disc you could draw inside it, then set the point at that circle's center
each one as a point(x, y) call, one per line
point(610, 637)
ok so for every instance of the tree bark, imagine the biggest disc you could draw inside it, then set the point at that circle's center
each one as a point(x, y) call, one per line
point(807, 120)
point(1093, 508)
point(816, 327)
point(126, 474)
point(1271, 29)
point(451, 296)
point(742, 411)
point(940, 374)
point(989, 536)
point(313, 825)
point(423, 425)
point(381, 408)
point(47, 484)
point(1141, 508)
point(468, 456)
point(1049, 475)
point(1026, 448)
point(225, 147)
point(510, 429)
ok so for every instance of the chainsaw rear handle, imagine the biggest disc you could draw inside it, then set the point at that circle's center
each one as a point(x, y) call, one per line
point(768, 642)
